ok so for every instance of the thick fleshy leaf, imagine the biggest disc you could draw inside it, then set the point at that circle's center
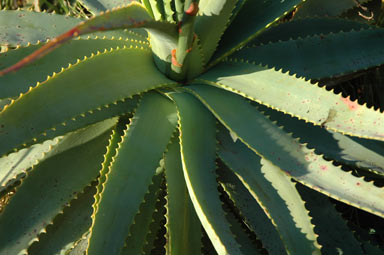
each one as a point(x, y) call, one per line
point(350, 150)
point(124, 73)
point(297, 97)
point(120, 108)
point(211, 22)
point(299, 57)
point(252, 19)
point(327, 8)
point(137, 238)
point(254, 216)
point(97, 6)
point(13, 84)
point(131, 173)
point(14, 166)
point(80, 246)
point(198, 145)
point(68, 227)
point(45, 191)
point(248, 245)
point(183, 226)
point(275, 193)
point(169, 10)
point(111, 20)
point(335, 237)
point(23, 27)
point(114, 140)
point(271, 142)
point(301, 28)
point(154, 238)
point(157, 8)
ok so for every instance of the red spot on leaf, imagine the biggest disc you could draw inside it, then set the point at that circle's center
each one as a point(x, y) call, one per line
point(358, 183)
point(323, 167)
point(351, 105)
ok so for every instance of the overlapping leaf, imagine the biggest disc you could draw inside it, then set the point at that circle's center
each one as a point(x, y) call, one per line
point(298, 98)
point(197, 130)
point(299, 57)
point(257, 131)
point(124, 73)
point(45, 191)
point(131, 173)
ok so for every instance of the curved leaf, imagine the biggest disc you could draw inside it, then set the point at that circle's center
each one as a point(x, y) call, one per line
point(335, 237)
point(198, 145)
point(275, 193)
point(131, 173)
point(22, 27)
point(141, 228)
point(252, 19)
point(124, 73)
point(299, 57)
point(12, 84)
point(46, 190)
point(183, 226)
point(298, 98)
point(272, 143)
point(326, 7)
point(67, 227)
point(14, 166)
point(99, 6)
point(254, 216)
point(110, 20)
point(211, 22)
point(350, 150)
point(302, 28)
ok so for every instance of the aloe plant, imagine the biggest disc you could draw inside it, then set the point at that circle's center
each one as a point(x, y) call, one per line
point(158, 124)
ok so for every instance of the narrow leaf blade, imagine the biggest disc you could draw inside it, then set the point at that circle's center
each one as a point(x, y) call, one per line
point(198, 145)
point(131, 173)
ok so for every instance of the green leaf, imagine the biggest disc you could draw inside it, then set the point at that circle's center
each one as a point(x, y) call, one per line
point(211, 22)
point(254, 216)
point(157, 9)
point(46, 190)
point(275, 193)
point(80, 246)
point(179, 6)
point(341, 58)
point(155, 235)
point(272, 143)
point(14, 166)
point(350, 150)
point(252, 19)
point(302, 28)
point(183, 226)
point(198, 145)
point(111, 20)
point(120, 108)
point(131, 173)
point(336, 237)
point(238, 228)
point(298, 98)
point(327, 8)
point(125, 72)
point(114, 140)
point(98, 6)
point(67, 227)
point(23, 27)
point(13, 84)
point(137, 237)
point(169, 10)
